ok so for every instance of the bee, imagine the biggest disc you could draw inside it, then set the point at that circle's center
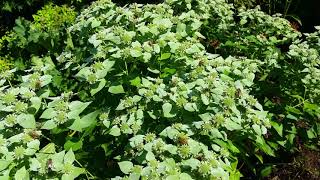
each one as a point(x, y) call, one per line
point(214, 43)
point(49, 165)
point(279, 118)
point(295, 25)
point(263, 36)
point(302, 124)
point(151, 42)
point(267, 135)
point(238, 93)
point(110, 163)
point(276, 100)
point(200, 157)
point(34, 134)
point(38, 84)
point(183, 140)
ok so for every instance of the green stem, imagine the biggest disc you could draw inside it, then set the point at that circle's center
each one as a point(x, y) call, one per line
point(10, 83)
point(125, 63)
point(288, 4)
point(87, 172)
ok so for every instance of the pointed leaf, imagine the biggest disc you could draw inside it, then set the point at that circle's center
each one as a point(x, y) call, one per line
point(49, 125)
point(116, 89)
point(98, 87)
point(95, 23)
point(69, 157)
point(35, 103)
point(26, 121)
point(22, 174)
point(76, 107)
point(167, 107)
point(125, 166)
point(85, 121)
point(48, 114)
point(115, 131)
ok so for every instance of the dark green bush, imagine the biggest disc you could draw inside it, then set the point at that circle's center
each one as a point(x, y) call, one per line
point(45, 35)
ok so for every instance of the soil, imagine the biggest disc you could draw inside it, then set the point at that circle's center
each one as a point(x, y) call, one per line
point(305, 166)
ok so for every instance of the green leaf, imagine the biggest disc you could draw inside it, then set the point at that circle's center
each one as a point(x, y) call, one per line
point(69, 157)
point(155, 71)
point(4, 164)
point(106, 123)
point(167, 107)
point(108, 65)
point(311, 134)
point(169, 132)
point(171, 149)
point(205, 99)
point(146, 56)
point(34, 144)
point(231, 125)
point(121, 105)
point(49, 149)
point(35, 103)
point(35, 165)
point(57, 160)
point(45, 80)
point(173, 177)
point(48, 114)
point(84, 72)
point(290, 116)
point(26, 121)
point(173, 46)
point(293, 110)
point(165, 56)
point(264, 146)
point(150, 156)
point(107, 150)
point(156, 48)
point(76, 107)
point(98, 87)
point(278, 127)
point(136, 81)
point(115, 131)
point(116, 89)
point(85, 121)
point(185, 176)
point(181, 29)
point(135, 53)
point(73, 145)
point(167, 72)
point(125, 166)
point(193, 163)
point(95, 23)
point(193, 49)
point(76, 171)
point(196, 24)
point(67, 177)
point(49, 125)
point(215, 133)
point(191, 107)
point(266, 171)
point(257, 129)
point(22, 174)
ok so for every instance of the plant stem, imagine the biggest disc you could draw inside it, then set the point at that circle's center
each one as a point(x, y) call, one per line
point(287, 6)
point(87, 172)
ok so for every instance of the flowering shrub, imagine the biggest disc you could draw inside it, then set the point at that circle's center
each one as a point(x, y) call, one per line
point(43, 36)
point(138, 93)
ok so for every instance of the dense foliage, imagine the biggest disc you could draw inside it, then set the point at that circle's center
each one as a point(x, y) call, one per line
point(183, 89)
